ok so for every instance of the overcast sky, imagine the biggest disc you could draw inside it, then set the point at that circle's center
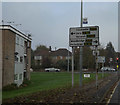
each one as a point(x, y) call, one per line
point(49, 22)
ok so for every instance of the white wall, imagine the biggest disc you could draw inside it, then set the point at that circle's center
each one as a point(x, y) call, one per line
point(19, 66)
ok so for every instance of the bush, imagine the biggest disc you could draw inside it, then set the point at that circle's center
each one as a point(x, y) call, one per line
point(10, 87)
point(14, 86)
point(25, 83)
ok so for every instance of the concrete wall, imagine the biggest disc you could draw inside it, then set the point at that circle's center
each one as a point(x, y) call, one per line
point(8, 47)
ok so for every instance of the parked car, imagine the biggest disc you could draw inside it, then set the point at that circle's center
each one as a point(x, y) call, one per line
point(107, 69)
point(52, 70)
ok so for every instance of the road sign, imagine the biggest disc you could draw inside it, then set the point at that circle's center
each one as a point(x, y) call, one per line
point(101, 59)
point(94, 52)
point(84, 36)
point(85, 21)
point(87, 75)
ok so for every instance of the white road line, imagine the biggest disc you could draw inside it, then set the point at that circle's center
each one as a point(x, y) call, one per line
point(112, 93)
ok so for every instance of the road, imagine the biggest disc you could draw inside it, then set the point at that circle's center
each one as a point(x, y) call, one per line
point(116, 94)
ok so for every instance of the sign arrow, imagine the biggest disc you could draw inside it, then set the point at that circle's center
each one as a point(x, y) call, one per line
point(95, 41)
point(72, 33)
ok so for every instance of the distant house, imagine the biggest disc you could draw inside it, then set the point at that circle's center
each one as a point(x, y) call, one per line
point(15, 56)
point(39, 55)
point(60, 54)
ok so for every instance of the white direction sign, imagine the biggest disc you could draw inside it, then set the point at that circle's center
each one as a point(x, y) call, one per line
point(94, 53)
point(85, 21)
point(80, 36)
point(101, 59)
point(87, 75)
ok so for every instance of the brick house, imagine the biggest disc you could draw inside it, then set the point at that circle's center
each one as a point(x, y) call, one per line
point(39, 55)
point(60, 54)
point(15, 55)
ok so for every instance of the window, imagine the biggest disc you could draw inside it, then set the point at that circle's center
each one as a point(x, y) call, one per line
point(21, 59)
point(21, 42)
point(20, 76)
point(67, 57)
point(28, 44)
point(16, 58)
point(56, 57)
point(16, 77)
point(38, 57)
point(61, 57)
point(17, 40)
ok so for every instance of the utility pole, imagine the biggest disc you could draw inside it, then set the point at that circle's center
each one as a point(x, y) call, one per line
point(81, 48)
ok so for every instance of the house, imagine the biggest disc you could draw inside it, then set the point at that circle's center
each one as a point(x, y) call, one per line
point(15, 55)
point(39, 55)
point(60, 54)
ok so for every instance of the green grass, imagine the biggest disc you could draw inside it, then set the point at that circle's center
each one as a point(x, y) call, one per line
point(45, 81)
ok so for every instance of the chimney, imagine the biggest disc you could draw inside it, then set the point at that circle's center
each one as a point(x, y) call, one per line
point(50, 48)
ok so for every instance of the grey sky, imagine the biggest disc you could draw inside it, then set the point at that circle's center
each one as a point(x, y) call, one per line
point(49, 23)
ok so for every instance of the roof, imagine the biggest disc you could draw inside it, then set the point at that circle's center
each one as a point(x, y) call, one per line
point(60, 52)
point(9, 27)
point(41, 52)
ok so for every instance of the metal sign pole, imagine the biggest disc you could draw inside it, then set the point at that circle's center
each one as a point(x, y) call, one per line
point(81, 48)
point(102, 70)
point(68, 60)
point(72, 66)
point(96, 56)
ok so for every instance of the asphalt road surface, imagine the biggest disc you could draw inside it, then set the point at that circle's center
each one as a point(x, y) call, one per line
point(116, 95)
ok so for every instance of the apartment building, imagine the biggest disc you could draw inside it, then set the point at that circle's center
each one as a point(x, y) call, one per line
point(15, 55)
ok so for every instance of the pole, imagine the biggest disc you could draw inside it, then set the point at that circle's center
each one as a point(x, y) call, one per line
point(72, 66)
point(96, 56)
point(81, 48)
point(68, 60)
point(102, 70)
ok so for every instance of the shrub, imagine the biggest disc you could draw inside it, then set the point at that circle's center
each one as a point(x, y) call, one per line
point(25, 83)
point(10, 87)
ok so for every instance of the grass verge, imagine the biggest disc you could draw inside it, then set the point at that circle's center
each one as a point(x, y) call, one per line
point(47, 81)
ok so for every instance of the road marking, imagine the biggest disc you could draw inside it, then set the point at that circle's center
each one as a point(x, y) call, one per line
point(112, 93)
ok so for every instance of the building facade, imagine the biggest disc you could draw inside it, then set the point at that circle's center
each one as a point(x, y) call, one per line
point(60, 54)
point(16, 55)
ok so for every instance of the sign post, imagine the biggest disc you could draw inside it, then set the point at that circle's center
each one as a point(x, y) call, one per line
point(96, 57)
point(84, 36)
point(101, 59)
point(72, 66)
point(80, 37)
